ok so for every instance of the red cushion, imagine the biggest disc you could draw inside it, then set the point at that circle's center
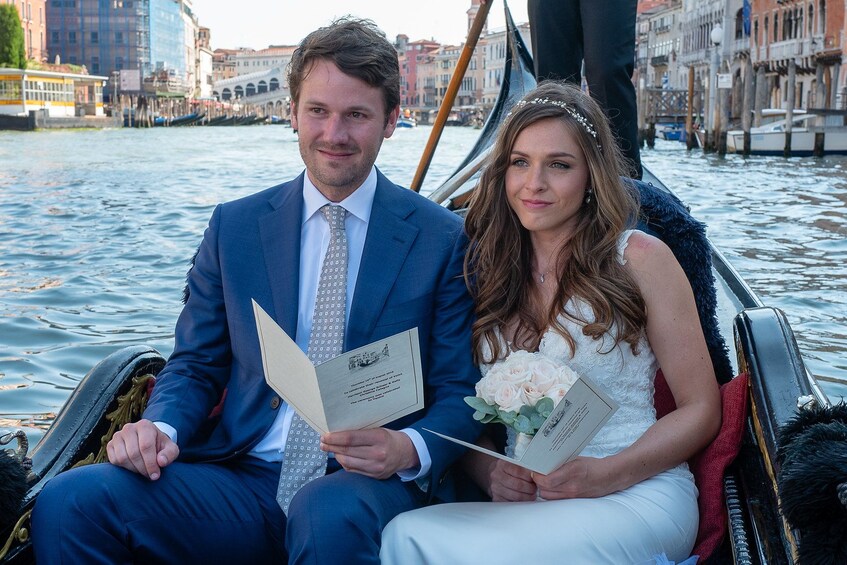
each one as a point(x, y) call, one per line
point(709, 466)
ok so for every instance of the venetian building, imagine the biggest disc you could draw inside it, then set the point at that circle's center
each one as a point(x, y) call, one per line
point(33, 22)
point(412, 55)
point(659, 39)
point(147, 37)
point(716, 40)
point(800, 40)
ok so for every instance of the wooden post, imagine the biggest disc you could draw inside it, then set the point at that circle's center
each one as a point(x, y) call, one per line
point(789, 115)
point(747, 104)
point(724, 105)
point(819, 144)
point(827, 87)
point(689, 111)
point(699, 116)
point(761, 95)
point(833, 95)
point(642, 110)
point(716, 116)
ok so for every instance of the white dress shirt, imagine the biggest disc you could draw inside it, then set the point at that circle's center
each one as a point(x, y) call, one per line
point(314, 241)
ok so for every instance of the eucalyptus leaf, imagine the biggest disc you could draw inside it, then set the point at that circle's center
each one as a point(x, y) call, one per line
point(480, 405)
point(545, 406)
point(537, 420)
point(508, 417)
point(527, 410)
point(523, 425)
point(488, 418)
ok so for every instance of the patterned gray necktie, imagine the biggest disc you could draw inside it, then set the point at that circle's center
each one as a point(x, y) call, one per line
point(304, 461)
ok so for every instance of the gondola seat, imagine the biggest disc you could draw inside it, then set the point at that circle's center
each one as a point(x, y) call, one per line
point(710, 465)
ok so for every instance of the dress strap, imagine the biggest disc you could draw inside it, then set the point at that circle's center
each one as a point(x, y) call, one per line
point(623, 241)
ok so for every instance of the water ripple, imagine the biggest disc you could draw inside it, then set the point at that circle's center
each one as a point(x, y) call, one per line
point(95, 243)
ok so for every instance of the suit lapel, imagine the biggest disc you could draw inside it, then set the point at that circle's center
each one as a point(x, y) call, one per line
point(280, 236)
point(387, 244)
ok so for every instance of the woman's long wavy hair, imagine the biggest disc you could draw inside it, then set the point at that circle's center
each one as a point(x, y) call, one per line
point(498, 266)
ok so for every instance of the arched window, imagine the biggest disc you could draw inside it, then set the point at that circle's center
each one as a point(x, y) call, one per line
point(775, 28)
point(263, 87)
point(811, 19)
point(822, 18)
point(226, 94)
point(798, 23)
point(765, 35)
point(251, 89)
point(274, 84)
point(739, 24)
point(756, 32)
point(239, 91)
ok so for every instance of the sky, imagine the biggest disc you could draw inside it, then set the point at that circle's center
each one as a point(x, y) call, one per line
point(260, 23)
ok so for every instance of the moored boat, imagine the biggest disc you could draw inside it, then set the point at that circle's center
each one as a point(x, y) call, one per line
point(811, 134)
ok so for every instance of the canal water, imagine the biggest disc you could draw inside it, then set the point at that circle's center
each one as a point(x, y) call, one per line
point(97, 227)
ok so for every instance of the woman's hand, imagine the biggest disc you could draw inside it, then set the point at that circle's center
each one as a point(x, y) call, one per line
point(583, 477)
point(510, 483)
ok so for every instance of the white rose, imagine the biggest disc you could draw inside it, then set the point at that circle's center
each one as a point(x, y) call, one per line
point(508, 397)
point(567, 376)
point(530, 394)
point(516, 373)
point(557, 392)
point(487, 386)
point(544, 374)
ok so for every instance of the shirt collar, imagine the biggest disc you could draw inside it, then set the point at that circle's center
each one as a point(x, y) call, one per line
point(358, 204)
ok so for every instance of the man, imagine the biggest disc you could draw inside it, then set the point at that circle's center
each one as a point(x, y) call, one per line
point(182, 487)
point(602, 34)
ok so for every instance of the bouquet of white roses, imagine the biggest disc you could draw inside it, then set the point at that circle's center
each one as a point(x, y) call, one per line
point(521, 391)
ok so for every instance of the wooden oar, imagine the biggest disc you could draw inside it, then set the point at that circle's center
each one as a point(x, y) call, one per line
point(450, 95)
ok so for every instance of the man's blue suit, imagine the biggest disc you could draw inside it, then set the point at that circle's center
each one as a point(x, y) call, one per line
point(410, 276)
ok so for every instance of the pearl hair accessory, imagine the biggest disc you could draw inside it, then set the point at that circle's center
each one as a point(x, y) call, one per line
point(576, 115)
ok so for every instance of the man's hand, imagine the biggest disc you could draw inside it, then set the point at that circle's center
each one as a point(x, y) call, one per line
point(511, 483)
point(142, 448)
point(377, 453)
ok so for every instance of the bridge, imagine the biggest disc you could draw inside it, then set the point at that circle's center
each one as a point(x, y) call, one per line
point(265, 91)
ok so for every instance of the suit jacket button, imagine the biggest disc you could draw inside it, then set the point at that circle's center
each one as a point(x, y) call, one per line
point(274, 403)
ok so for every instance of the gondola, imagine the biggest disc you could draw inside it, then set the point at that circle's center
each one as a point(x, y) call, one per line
point(749, 339)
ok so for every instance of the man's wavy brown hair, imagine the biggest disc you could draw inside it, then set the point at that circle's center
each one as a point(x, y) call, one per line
point(498, 266)
point(358, 48)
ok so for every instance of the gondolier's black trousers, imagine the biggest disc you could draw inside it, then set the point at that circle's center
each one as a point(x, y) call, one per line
point(602, 32)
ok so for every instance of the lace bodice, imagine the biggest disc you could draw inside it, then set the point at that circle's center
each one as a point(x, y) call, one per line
point(625, 377)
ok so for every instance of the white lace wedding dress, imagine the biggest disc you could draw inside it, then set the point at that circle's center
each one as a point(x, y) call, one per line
point(658, 515)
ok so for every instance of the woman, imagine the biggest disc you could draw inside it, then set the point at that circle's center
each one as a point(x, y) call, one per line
point(554, 268)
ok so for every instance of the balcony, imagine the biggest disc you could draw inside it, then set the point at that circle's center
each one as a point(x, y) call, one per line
point(790, 49)
point(659, 60)
point(741, 45)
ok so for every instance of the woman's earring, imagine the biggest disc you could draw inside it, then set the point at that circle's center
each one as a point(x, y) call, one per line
point(589, 192)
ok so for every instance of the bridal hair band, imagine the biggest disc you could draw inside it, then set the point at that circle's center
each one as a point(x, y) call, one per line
point(574, 113)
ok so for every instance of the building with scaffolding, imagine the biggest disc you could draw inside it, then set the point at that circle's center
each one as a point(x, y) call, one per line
point(108, 37)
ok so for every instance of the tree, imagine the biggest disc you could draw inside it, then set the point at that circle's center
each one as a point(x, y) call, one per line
point(12, 47)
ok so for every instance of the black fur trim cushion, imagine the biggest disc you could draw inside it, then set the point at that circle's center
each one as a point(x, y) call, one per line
point(12, 489)
point(812, 459)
